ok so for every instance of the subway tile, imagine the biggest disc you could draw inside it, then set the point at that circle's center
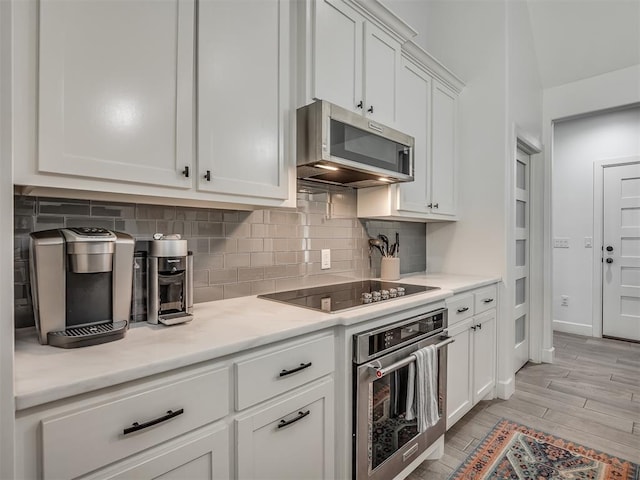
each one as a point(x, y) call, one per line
point(198, 245)
point(200, 278)
point(205, 261)
point(45, 222)
point(261, 259)
point(23, 205)
point(21, 272)
point(237, 290)
point(250, 274)
point(230, 216)
point(223, 245)
point(243, 216)
point(216, 215)
point(250, 245)
point(172, 227)
point(283, 258)
point(281, 217)
point(20, 248)
point(23, 316)
point(192, 214)
point(232, 260)
point(257, 216)
point(258, 230)
point(140, 228)
point(237, 230)
point(263, 286)
point(207, 229)
point(108, 223)
point(219, 276)
point(61, 206)
point(116, 210)
point(208, 294)
point(155, 212)
point(23, 224)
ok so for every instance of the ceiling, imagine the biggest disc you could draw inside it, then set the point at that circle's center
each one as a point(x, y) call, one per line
point(577, 39)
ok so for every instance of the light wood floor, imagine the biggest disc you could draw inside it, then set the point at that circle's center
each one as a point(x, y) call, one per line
point(590, 395)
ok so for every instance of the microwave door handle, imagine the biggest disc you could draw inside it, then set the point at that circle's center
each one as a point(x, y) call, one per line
point(380, 372)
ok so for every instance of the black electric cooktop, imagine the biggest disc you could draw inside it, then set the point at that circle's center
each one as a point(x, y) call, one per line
point(340, 296)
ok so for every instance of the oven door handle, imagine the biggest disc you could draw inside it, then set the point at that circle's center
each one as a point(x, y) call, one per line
point(380, 372)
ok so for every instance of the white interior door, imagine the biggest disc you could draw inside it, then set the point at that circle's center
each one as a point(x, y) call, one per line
point(621, 253)
point(521, 278)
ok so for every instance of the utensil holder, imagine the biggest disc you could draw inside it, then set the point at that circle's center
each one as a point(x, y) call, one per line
point(390, 268)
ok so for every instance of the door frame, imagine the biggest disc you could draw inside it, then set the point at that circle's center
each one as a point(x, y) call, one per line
point(598, 234)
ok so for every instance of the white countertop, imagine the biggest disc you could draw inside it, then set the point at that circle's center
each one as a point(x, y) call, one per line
point(44, 374)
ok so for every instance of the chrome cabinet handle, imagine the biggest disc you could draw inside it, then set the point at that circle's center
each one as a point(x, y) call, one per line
point(301, 415)
point(302, 366)
point(488, 300)
point(463, 309)
point(135, 426)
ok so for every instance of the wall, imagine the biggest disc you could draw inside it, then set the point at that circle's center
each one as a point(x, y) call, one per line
point(577, 144)
point(236, 253)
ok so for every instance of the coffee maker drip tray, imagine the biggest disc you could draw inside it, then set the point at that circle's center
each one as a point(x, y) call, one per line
point(88, 335)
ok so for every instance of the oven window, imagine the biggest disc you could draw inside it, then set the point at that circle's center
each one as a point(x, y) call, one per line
point(387, 406)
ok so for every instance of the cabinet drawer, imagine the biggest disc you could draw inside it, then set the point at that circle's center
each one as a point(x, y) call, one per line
point(277, 371)
point(460, 307)
point(485, 299)
point(80, 441)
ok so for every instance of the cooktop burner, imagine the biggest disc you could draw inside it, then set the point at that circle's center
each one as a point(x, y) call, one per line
point(340, 296)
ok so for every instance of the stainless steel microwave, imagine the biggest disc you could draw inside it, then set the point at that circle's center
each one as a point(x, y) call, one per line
point(340, 147)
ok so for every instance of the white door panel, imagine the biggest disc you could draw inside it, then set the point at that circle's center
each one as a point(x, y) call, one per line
point(520, 314)
point(621, 252)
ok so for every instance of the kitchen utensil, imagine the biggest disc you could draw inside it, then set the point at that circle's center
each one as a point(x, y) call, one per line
point(379, 244)
point(397, 249)
point(385, 240)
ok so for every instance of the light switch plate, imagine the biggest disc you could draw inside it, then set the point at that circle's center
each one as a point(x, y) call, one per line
point(588, 242)
point(326, 259)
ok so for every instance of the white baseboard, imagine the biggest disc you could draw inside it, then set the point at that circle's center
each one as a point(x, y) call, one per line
point(548, 355)
point(506, 388)
point(574, 328)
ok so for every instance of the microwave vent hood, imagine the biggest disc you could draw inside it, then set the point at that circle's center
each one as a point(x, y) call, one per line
point(338, 147)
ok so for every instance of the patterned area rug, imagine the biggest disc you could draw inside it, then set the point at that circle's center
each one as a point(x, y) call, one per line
point(516, 452)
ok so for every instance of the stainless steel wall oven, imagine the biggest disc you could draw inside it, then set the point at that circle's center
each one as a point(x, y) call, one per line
point(384, 441)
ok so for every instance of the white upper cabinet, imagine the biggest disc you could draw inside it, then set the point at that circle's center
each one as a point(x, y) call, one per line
point(243, 97)
point(108, 94)
point(350, 59)
point(426, 109)
point(116, 90)
point(443, 151)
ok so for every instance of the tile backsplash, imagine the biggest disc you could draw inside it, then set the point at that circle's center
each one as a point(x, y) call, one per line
point(236, 253)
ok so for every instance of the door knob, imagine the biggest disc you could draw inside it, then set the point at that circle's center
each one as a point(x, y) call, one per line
point(609, 260)
point(609, 248)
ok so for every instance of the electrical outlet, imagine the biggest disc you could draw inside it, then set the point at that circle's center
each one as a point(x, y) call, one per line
point(326, 259)
point(560, 242)
point(564, 300)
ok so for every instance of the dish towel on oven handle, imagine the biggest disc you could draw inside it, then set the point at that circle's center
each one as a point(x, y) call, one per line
point(422, 388)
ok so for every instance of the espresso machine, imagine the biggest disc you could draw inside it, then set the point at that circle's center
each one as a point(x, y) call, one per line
point(81, 285)
point(169, 280)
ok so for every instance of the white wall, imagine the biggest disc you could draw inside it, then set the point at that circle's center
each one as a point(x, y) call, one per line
point(611, 90)
point(6, 250)
point(577, 144)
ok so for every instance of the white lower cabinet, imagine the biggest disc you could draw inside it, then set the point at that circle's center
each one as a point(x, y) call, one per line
point(202, 455)
point(471, 360)
point(291, 438)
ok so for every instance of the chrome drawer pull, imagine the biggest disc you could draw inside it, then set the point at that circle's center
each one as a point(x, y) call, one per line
point(302, 366)
point(301, 415)
point(488, 300)
point(463, 309)
point(135, 426)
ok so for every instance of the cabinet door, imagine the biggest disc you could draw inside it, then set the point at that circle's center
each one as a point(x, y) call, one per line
point(414, 111)
point(459, 380)
point(202, 456)
point(484, 347)
point(381, 66)
point(116, 90)
point(337, 51)
point(443, 151)
point(292, 438)
point(243, 97)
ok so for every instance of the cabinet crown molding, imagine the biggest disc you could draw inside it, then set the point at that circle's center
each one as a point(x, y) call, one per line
point(433, 66)
point(375, 10)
